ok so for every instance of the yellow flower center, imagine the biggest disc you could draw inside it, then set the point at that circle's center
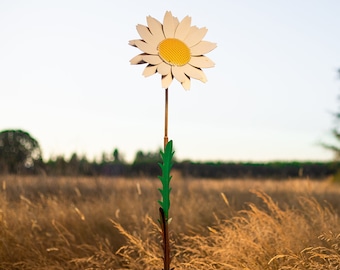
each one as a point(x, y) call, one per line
point(174, 52)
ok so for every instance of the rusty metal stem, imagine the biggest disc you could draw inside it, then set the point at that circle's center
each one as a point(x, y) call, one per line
point(166, 118)
point(164, 222)
point(166, 241)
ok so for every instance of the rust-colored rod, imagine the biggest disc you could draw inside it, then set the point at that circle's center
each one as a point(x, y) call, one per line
point(166, 241)
point(166, 118)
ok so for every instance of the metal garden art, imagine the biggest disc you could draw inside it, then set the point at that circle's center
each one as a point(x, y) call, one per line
point(174, 49)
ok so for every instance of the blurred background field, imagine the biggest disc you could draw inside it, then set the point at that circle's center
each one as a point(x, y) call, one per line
point(111, 223)
point(257, 167)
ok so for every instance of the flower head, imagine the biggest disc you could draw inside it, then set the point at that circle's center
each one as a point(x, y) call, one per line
point(174, 50)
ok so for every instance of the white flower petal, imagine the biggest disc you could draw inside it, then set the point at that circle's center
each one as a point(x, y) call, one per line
point(164, 68)
point(183, 28)
point(138, 59)
point(133, 42)
point(155, 32)
point(178, 73)
point(149, 70)
point(176, 22)
point(166, 80)
point(156, 28)
point(169, 25)
point(195, 35)
point(202, 48)
point(152, 59)
point(201, 62)
point(146, 35)
point(186, 84)
point(195, 73)
point(146, 47)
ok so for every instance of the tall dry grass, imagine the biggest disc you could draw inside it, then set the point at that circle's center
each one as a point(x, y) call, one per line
point(111, 223)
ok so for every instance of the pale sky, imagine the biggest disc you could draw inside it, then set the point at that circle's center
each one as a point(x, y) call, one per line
point(65, 77)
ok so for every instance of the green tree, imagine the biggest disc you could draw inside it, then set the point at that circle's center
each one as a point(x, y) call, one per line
point(60, 165)
point(18, 151)
point(336, 133)
point(335, 147)
point(85, 167)
point(149, 157)
point(73, 165)
point(116, 156)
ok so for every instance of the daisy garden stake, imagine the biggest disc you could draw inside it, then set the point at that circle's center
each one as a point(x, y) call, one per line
point(174, 49)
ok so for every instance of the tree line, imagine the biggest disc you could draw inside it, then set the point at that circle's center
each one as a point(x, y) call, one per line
point(21, 154)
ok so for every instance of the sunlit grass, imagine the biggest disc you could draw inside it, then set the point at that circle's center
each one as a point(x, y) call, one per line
point(111, 223)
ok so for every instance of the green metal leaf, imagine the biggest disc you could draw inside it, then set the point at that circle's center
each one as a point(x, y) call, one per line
point(165, 178)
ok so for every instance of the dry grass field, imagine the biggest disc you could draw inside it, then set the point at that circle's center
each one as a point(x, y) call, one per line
point(111, 223)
